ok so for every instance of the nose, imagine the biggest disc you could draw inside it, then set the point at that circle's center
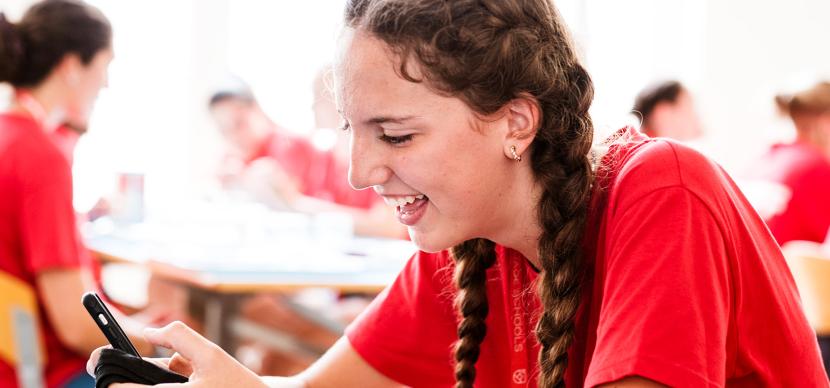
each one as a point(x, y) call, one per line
point(368, 162)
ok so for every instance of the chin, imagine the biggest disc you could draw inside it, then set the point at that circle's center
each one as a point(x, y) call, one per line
point(432, 241)
point(77, 123)
point(75, 127)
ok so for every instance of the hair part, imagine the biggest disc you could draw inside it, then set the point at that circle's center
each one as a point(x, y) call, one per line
point(48, 31)
point(487, 53)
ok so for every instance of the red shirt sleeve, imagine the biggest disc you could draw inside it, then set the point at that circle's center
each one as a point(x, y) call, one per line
point(809, 205)
point(296, 156)
point(47, 219)
point(666, 295)
point(406, 333)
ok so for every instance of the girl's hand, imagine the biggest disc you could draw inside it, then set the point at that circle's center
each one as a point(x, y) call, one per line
point(205, 363)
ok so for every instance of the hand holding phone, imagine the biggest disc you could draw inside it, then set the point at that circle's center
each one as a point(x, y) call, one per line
point(106, 322)
point(124, 365)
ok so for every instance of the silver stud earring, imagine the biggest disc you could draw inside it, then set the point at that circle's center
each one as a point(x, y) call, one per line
point(516, 155)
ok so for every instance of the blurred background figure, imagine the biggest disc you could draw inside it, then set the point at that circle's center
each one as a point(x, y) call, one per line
point(287, 171)
point(56, 59)
point(262, 159)
point(800, 169)
point(668, 110)
point(315, 180)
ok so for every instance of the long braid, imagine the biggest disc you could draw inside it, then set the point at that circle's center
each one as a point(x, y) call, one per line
point(567, 178)
point(472, 259)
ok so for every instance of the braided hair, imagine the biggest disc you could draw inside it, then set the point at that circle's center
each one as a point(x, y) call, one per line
point(487, 53)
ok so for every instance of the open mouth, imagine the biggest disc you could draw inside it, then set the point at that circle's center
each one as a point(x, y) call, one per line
point(409, 208)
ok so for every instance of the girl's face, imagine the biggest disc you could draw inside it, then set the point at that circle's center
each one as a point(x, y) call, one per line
point(441, 167)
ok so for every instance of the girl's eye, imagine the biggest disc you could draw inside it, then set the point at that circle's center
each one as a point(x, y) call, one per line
point(345, 127)
point(395, 140)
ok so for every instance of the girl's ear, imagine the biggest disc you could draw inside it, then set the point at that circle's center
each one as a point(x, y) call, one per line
point(523, 116)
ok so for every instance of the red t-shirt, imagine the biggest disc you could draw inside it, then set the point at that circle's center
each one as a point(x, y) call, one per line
point(319, 173)
point(37, 226)
point(686, 287)
point(330, 181)
point(805, 171)
point(293, 154)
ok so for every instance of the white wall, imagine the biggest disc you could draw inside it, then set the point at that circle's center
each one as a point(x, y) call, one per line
point(734, 55)
point(754, 49)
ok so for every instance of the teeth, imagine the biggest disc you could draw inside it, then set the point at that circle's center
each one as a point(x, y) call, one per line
point(402, 201)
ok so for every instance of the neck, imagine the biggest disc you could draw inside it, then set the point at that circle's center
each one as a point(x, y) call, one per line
point(813, 136)
point(522, 231)
point(42, 104)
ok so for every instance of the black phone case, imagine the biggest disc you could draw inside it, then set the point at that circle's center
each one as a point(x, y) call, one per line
point(106, 322)
point(115, 366)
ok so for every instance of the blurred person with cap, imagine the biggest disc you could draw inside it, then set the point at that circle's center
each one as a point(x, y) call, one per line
point(286, 171)
point(801, 168)
point(56, 59)
point(667, 110)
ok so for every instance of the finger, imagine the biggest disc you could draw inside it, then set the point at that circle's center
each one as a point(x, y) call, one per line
point(128, 385)
point(183, 340)
point(162, 362)
point(93, 360)
point(180, 365)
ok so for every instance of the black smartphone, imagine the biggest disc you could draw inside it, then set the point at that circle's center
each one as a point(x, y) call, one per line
point(106, 322)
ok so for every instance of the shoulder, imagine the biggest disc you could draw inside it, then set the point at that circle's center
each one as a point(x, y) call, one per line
point(13, 131)
point(25, 146)
point(284, 138)
point(800, 160)
point(644, 167)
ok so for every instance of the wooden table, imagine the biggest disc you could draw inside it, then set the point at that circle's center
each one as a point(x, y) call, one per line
point(219, 273)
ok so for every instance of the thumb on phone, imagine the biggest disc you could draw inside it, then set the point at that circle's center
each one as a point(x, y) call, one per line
point(205, 362)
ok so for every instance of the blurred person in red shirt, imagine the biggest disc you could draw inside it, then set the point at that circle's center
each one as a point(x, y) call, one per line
point(798, 179)
point(286, 171)
point(306, 174)
point(801, 168)
point(56, 59)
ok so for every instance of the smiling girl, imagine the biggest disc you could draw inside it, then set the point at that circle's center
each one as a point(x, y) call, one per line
point(543, 262)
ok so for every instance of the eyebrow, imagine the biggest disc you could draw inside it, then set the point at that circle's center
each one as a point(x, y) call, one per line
point(389, 119)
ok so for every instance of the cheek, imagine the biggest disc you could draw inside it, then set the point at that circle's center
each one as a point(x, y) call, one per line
point(466, 181)
point(78, 109)
point(84, 97)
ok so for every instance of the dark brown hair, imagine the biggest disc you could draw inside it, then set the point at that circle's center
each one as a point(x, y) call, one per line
point(487, 53)
point(234, 89)
point(655, 94)
point(49, 30)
